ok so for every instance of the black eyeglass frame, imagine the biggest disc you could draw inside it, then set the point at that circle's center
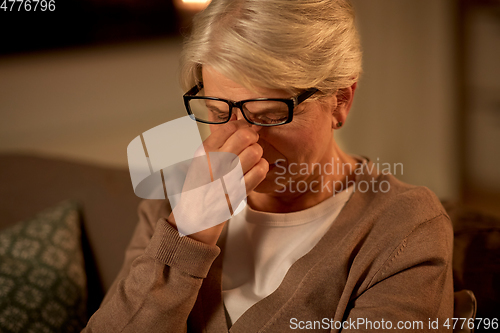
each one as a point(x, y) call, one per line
point(292, 102)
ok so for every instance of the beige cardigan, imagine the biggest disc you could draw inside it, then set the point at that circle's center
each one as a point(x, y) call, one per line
point(387, 256)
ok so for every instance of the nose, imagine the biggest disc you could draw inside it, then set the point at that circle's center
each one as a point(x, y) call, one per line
point(238, 114)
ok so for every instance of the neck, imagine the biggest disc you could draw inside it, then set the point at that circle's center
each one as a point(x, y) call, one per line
point(321, 186)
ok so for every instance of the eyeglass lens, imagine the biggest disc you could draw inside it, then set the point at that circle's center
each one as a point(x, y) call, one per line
point(258, 112)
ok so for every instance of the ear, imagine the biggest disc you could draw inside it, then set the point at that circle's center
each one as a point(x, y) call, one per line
point(344, 98)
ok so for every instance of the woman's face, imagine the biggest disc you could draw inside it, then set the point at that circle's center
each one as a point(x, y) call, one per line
point(293, 147)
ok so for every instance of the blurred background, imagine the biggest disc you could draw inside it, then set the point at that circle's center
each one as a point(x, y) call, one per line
point(80, 82)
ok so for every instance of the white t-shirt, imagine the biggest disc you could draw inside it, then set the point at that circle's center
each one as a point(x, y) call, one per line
point(261, 247)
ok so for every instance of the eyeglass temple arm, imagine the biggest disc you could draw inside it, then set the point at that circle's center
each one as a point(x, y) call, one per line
point(306, 94)
point(193, 91)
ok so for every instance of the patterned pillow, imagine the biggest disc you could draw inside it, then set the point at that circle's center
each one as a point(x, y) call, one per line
point(42, 275)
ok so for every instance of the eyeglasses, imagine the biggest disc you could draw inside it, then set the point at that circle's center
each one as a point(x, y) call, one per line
point(259, 111)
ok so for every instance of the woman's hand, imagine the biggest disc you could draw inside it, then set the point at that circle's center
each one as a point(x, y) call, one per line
point(240, 138)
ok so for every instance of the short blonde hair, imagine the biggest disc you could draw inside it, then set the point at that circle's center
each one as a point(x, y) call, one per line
point(280, 44)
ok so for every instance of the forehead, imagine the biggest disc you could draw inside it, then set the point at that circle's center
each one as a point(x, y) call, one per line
point(218, 85)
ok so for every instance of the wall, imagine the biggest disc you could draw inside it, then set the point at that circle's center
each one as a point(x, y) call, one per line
point(88, 104)
point(405, 111)
point(483, 89)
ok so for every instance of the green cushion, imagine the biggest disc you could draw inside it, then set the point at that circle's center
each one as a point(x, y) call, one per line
point(42, 274)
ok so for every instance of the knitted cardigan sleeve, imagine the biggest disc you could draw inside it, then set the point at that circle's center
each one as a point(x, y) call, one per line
point(159, 282)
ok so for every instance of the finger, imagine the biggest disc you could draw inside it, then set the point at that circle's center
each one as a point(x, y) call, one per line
point(218, 137)
point(256, 175)
point(250, 156)
point(240, 140)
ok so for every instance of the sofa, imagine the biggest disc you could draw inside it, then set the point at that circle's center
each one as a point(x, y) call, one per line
point(108, 208)
point(108, 215)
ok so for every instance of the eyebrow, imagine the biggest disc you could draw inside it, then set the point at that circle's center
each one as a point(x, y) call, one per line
point(266, 110)
point(261, 110)
point(213, 107)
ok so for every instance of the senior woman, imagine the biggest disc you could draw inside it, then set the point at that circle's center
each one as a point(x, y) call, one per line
point(312, 249)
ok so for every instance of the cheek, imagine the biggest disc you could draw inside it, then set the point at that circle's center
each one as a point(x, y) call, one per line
point(298, 143)
point(212, 128)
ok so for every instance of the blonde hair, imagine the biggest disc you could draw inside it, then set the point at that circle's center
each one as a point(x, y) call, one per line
point(281, 44)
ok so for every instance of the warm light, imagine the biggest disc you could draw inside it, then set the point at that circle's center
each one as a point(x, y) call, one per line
point(196, 1)
point(192, 5)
